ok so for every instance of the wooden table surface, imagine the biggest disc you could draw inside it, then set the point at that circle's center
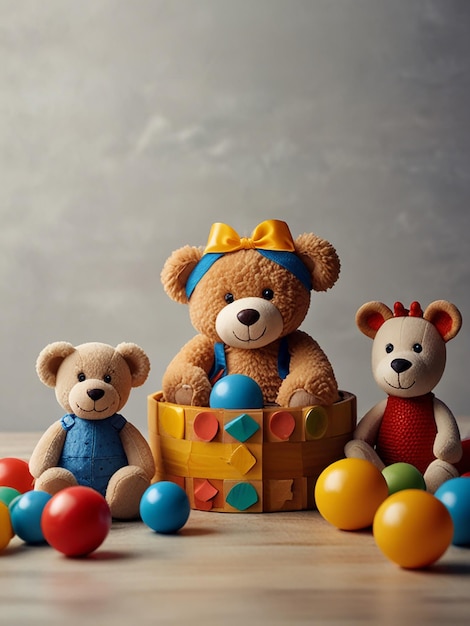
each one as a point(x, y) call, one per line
point(224, 569)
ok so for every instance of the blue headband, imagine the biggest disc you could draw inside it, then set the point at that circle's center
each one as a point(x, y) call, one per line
point(288, 260)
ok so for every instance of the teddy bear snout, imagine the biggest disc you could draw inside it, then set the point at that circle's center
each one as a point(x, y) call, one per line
point(249, 322)
point(248, 317)
point(95, 394)
point(93, 399)
point(400, 365)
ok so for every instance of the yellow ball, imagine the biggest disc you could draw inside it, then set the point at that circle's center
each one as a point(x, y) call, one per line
point(6, 530)
point(413, 528)
point(348, 493)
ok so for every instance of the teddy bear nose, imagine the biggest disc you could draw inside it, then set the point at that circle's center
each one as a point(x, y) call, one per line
point(400, 365)
point(248, 316)
point(95, 394)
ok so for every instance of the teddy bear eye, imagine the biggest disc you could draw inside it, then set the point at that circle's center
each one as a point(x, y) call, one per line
point(268, 294)
point(81, 377)
point(389, 348)
point(107, 378)
point(417, 347)
point(229, 298)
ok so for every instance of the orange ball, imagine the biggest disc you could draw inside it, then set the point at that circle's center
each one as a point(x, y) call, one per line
point(348, 493)
point(6, 529)
point(413, 528)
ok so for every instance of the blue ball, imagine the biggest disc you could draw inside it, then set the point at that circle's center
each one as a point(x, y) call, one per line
point(26, 512)
point(164, 507)
point(455, 495)
point(236, 391)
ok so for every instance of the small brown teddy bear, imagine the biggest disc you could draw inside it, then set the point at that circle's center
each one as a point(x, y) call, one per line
point(93, 444)
point(408, 359)
point(247, 298)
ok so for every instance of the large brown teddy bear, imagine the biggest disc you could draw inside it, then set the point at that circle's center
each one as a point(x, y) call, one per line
point(247, 298)
point(93, 444)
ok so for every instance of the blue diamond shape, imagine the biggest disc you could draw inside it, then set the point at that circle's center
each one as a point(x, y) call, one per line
point(242, 427)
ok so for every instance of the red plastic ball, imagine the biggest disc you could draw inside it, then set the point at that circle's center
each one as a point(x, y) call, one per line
point(15, 473)
point(76, 521)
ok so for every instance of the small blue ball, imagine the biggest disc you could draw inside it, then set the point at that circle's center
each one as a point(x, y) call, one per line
point(236, 391)
point(455, 495)
point(26, 512)
point(164, 507)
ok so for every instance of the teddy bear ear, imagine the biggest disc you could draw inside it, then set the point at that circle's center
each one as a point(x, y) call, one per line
point(320, 258)
point(137, 361)
point(50, 359)
point(446, 318)
point(176, 271)
point(370, 317)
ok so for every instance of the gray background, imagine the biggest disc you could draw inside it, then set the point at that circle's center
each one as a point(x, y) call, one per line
point(127, 128)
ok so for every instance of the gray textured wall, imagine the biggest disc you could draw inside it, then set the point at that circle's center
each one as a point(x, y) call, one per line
point(127, 128)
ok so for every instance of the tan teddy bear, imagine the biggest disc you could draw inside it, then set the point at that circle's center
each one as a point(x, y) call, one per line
point(247, 298)
point(93, 444)
point(408, 359)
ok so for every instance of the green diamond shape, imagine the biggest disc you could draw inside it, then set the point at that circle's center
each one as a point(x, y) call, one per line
point(242, 496)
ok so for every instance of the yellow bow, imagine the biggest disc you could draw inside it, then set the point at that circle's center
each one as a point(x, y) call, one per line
point(269, 235)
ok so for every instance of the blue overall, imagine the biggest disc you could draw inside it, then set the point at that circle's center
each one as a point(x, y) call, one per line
point(219, 368)
point(92, 450)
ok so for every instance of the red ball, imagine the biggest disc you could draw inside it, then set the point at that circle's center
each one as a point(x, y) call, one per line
point(15, 473)
point(76, 521)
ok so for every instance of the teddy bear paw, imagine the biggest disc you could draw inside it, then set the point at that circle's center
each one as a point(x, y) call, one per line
point(125, 490)
point(184, 395)
point(359, 449)
point(437, 473)
point(300, 397)
point(54, 480)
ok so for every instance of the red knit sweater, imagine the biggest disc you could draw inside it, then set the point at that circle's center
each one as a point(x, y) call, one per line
point(408, 431)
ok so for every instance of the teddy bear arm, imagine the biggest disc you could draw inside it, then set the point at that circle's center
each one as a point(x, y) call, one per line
point(137, 449)
point(310, 370)
point(447, 445)
point(362, 445)
point(187, 373)
point(47, 452)
point(368, 427)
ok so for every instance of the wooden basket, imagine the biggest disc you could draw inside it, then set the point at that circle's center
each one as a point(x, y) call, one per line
point(255, 461)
